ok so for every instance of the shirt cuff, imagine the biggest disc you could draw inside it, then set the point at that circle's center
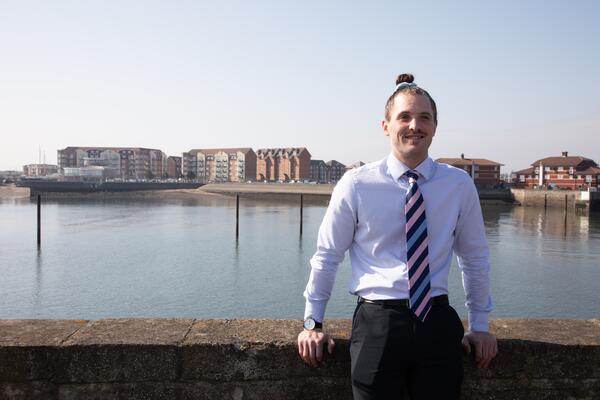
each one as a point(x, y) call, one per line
point(315, 309)
point(478, 321)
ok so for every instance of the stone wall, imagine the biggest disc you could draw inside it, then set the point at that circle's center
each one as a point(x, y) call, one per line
point(548, 198)
point(257, 359)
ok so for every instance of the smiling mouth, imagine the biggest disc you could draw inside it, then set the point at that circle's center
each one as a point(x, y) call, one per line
point(411, 137)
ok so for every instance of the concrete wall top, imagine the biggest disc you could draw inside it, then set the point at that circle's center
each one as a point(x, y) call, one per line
point(184, 358)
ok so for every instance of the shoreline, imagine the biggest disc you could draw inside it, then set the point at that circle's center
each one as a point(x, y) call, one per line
point(320, 193)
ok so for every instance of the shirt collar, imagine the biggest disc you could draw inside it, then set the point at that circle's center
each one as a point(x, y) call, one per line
point(397, 168)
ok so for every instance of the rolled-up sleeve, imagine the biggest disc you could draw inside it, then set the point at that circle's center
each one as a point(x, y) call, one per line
point(336, 234)
point(470, 245)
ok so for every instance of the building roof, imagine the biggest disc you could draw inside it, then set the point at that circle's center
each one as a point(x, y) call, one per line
point(461, 162)
point(588, 171)
point(224, 150)
point(279, 151)
point(356, 164)
point(526, 171)
point(331, 163)
point(562, 161)
point(106, 148)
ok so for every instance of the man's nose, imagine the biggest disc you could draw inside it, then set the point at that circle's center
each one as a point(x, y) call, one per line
point(414, 124)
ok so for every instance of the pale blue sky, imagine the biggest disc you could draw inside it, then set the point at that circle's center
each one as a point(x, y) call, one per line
point(514, 80)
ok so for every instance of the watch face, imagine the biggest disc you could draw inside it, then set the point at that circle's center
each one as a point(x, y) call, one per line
point(309, 324)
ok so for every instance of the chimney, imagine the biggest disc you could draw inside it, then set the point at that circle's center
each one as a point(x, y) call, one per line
point(462, 156)
point(565, 153)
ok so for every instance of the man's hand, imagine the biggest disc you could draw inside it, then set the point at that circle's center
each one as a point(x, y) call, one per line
point(310, 346)
point(484, 344)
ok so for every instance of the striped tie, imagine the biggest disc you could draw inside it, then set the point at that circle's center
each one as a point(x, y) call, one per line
point(416, 249)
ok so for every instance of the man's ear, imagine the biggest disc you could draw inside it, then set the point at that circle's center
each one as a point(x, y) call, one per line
point(384, 126)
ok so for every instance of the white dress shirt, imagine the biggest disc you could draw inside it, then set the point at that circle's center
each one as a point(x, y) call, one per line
point(366, 216)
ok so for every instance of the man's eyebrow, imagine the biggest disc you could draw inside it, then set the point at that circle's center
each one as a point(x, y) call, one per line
point(404, 112)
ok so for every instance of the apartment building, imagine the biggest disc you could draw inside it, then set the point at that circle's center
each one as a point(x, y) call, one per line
point(485, 173)
point(318, 171)
point(283, 164)
point(124, 162)
point(335, 170)
point(174, 167)
point(219, 165)
point(564, 172)
point(32, 170)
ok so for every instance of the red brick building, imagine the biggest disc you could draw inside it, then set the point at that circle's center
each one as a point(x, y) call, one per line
point(284, 164)
point(564, 172)
point(485, 173)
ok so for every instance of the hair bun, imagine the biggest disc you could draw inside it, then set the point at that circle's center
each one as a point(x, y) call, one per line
point(409, 78)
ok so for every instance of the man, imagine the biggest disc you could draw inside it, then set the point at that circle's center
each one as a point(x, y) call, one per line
point(401, 219)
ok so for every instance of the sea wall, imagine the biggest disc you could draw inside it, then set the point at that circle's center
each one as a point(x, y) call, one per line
point(257, 359)
point(547, 198)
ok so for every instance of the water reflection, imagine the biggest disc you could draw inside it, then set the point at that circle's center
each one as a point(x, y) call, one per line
point(554, 222)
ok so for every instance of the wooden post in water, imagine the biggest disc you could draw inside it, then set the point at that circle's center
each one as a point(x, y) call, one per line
point(566, 204)
point(237, 216)
point(545, 201)
point(301, 211)
point(39, 220)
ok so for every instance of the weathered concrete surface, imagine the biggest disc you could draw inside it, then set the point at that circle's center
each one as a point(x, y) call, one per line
point(257, 359)
point(546, 198)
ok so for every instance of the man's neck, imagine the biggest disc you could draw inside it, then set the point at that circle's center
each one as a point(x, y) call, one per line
point(410, 162)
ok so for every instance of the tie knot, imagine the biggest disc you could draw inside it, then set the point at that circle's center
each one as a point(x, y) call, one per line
point(413, 176)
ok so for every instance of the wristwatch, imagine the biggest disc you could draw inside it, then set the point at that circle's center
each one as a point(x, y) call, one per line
point(310, 324)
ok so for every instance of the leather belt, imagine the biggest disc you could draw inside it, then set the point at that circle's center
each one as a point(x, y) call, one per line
point(437, 300)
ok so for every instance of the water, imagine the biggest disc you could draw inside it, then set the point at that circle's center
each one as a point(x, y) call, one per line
point(180, 258)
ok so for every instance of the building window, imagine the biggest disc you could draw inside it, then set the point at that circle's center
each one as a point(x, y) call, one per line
point(571, 170)
point(522, 178)
point(559, 176)
point(547, 169)
point(546, 176)
point(560, 168)
point(588, 178)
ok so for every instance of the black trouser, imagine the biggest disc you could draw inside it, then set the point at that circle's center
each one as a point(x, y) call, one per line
point(396, 356)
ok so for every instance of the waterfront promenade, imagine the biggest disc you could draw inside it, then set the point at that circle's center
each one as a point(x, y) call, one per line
point(314, 193)
point(184, 358)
